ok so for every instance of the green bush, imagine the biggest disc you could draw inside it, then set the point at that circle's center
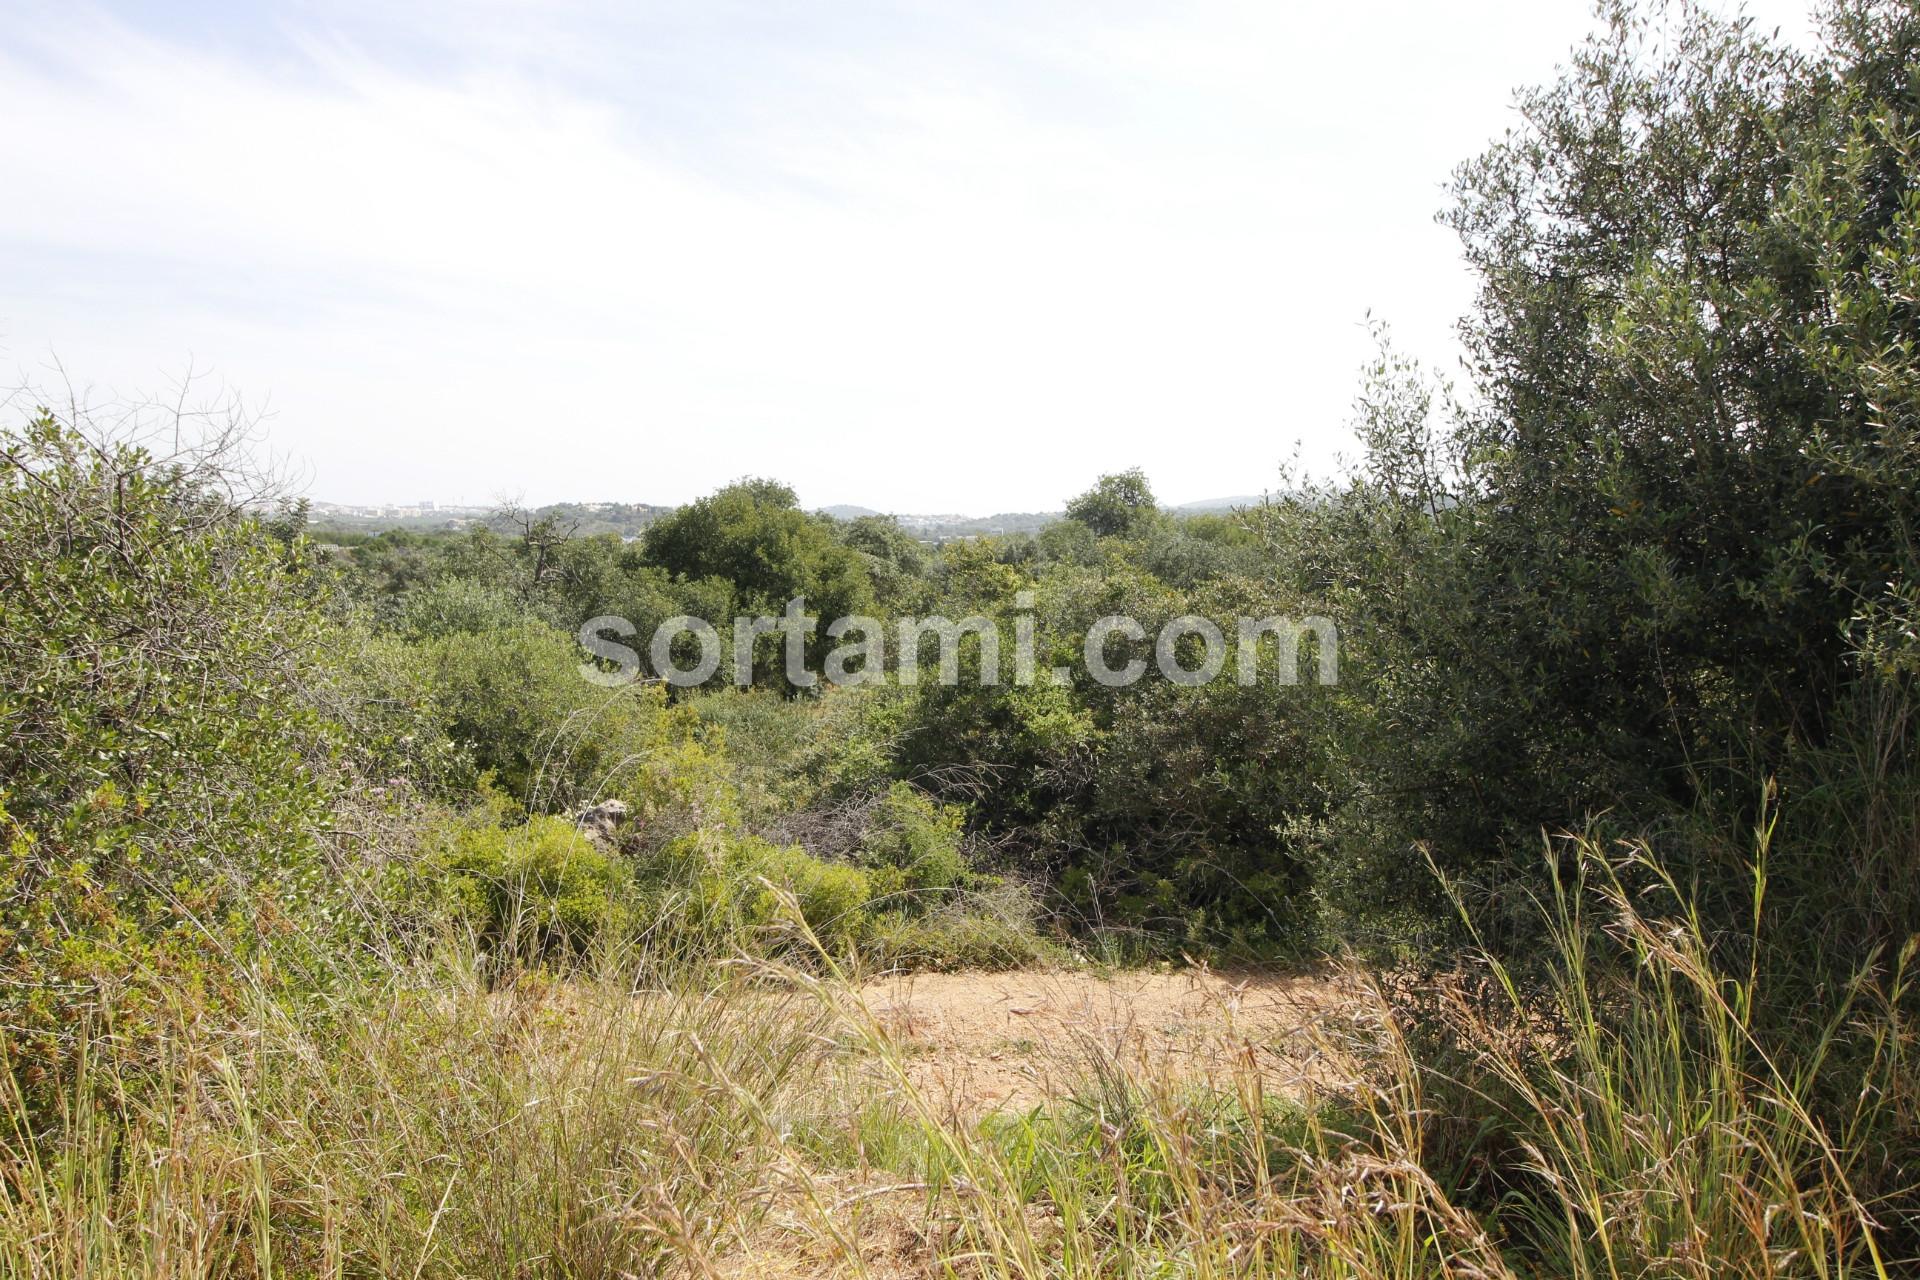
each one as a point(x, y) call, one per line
point(913, 844)
point(163, 770)
point(515, 699)
point(539, 891)
point(832, 897)
point(715, 888)
point(988, 927)
point(456, 606)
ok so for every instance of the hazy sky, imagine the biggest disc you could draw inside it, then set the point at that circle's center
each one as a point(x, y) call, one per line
point(954, 256)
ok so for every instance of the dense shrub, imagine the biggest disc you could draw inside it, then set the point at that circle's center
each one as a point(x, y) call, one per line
point(914, 845)
point(515, 699)
point(162, 772)
point(541, 890)
point(722, 889)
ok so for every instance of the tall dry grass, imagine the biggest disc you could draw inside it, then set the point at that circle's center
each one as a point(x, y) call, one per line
point(429, 1126)
point(1625, 1117)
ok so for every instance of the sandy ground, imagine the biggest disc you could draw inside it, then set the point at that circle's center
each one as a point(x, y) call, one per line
point(978, 1042)
point(973, 1043)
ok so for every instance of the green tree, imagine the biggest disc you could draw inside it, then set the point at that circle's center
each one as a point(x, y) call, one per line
point(894, 559)
point(1118, 506)
point(753, 535)
point(1672, 545)
point(1695, 340)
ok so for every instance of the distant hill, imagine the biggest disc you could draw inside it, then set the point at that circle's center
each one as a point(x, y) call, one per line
point(958, 526)
point(348, 517)
point(952, 524)
point(630, 519)
point(627, 519)
point(1219, 504)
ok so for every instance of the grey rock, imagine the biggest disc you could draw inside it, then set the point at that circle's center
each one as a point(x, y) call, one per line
point(601, 822)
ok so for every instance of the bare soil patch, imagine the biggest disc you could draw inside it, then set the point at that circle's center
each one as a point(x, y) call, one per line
point(977, 1042)
point(974, 1043)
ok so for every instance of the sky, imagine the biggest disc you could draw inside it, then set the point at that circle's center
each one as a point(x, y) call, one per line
point(916, 256)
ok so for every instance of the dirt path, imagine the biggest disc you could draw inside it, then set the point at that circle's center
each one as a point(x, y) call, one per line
point(977, 1042)
point(974, 1043)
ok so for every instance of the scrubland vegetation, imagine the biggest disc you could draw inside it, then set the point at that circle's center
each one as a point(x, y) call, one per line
point(1611, 825)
